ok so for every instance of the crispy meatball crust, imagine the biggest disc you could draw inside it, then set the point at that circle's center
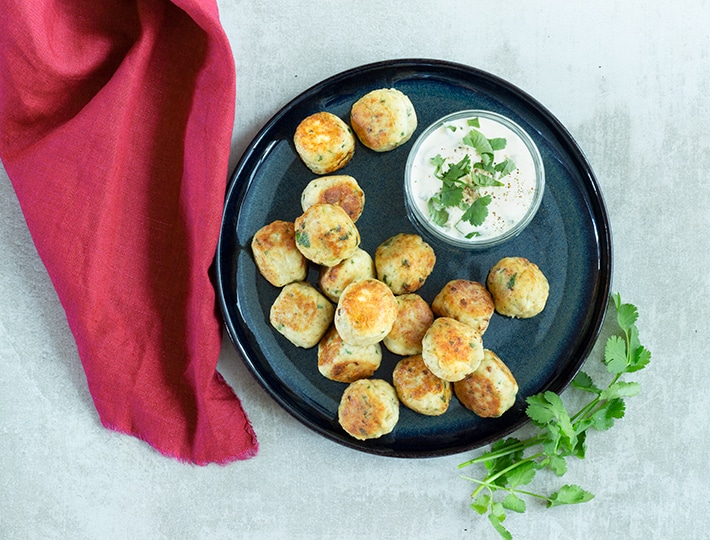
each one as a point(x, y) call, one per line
point(451, 349)
point(404, 262)
point(326, 235)
point(324, 142)
point(339, 361)
point(366, 312)
point(383, 119)
point(419, 389)
point(342, 190)
point(518, 287)
point(368, 409)
point(466, 301)
point(276, 255)
point(301, 314)
point(414, 317)
point(490, 390)
point(332, 280)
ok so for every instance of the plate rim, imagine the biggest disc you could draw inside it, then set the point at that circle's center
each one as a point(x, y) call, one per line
point(602, 231)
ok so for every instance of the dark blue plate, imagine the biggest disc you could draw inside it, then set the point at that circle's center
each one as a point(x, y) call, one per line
point(569, 239)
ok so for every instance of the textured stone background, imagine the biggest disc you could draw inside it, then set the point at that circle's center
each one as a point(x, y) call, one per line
point(629, 80)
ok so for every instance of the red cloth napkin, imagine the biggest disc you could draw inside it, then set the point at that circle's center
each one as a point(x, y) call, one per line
point(115, 127)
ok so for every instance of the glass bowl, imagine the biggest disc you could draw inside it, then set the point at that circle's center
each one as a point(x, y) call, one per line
point(493, 143)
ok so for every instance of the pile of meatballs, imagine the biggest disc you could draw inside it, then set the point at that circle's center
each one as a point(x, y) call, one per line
point(363, 303)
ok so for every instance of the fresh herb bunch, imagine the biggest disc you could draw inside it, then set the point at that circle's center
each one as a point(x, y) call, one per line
point(513, 463)
point(462, 181)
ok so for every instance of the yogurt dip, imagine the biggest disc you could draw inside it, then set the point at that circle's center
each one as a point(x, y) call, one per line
point(512, 202)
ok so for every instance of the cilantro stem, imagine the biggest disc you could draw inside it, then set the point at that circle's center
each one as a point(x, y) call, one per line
point(584, 412)
point(532, 494)
point(488, 456)
point(493, 477)
point(492, 487)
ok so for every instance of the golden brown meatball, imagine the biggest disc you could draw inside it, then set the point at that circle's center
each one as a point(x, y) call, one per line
point(276, 255)
point(368, 409)
point(342, 190)
point(324, 142)
point(404, 262)
point(419, 389)
point(490, 390)
point(332, 280)
point(366, 312)
point(451, 349)
point(301, 314)
point(466, 301)
point(326, 235)
point(518, 287)
point(414, 316)
point(383, 119)
point(339, 361)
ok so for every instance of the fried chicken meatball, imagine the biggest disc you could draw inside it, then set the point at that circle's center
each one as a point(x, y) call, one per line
point(490, 390)
point(276, 255)
point(342, 190)
point(414, 316)
point(419, 389)
point(404, 262)
point(324, 142)
point(466, 301)
point(301, 314)
point(332, 280)
point(451, 349)
point(368, 409)
point(383, 119)
point(366, 312)
point(326, 235)
point(339, 361)
point(518, 287)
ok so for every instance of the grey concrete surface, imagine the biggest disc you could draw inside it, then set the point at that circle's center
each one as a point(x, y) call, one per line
point(630, 80)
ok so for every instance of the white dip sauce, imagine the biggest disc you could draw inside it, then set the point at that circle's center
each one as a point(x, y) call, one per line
point(509, 203)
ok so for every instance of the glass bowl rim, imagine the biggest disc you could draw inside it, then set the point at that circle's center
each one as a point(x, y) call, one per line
point(421, 221)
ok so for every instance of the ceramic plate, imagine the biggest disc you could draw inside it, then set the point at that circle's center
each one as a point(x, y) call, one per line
point(569, 239)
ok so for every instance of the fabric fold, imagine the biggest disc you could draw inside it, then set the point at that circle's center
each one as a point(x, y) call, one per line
point(115, 128)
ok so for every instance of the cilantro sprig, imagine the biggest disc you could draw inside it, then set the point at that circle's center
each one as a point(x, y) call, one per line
point(462, 181)
point(512, 464)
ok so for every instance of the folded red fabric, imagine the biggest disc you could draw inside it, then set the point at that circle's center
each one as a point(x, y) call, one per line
point(115, 128)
